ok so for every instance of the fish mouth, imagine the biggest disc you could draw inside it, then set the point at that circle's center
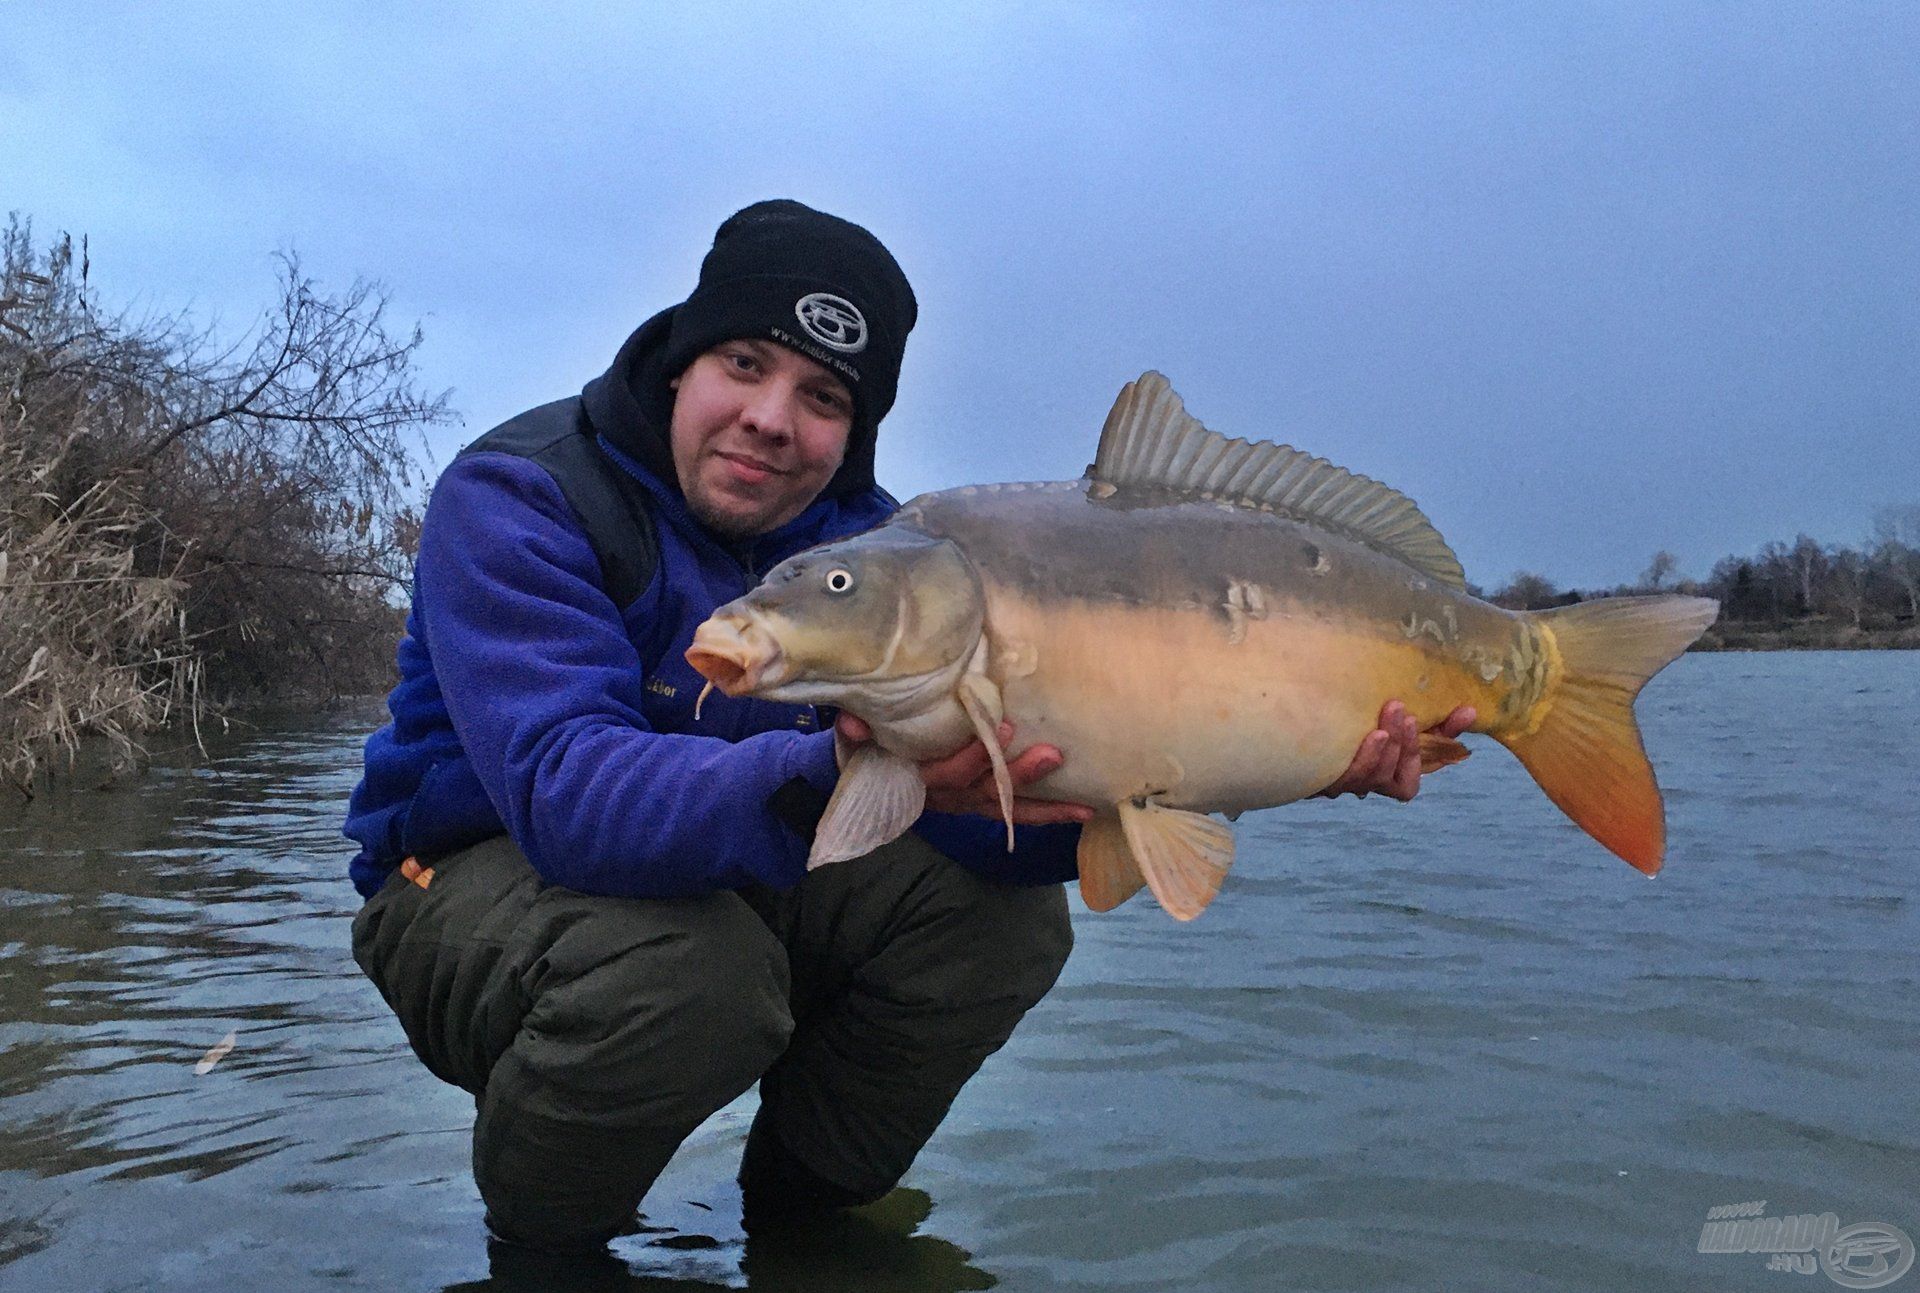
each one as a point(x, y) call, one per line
point(737, 655)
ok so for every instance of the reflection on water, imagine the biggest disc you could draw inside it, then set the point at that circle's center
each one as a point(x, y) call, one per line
point(1448, 1044)
point(869, 1250)
point(141, 926)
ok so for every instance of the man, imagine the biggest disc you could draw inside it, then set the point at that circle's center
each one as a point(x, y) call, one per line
point(589, 907)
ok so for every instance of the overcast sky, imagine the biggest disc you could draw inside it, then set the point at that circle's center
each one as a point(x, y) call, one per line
point(1584, 280)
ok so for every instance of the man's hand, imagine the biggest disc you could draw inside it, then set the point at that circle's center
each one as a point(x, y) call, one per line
point(1388, 760)
point(962, 782)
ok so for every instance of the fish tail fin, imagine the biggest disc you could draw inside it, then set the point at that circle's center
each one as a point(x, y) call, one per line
point(1580, 740)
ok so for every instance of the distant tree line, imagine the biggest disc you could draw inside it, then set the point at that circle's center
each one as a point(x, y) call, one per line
point(186, 521)
point(1801, 594)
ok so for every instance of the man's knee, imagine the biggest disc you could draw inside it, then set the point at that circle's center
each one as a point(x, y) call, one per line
point(441, 957)
point(643, 1017)
point(1033, 934)
point(967, 939)
point(652, 1012)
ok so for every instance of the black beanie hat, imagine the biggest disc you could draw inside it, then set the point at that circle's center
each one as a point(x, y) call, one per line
point(816, 284)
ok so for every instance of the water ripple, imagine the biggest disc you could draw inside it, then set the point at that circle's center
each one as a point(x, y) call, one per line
point(1447, 1044)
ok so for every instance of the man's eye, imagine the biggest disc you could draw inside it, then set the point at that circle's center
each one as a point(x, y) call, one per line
point(831, 400)
point(744, 362)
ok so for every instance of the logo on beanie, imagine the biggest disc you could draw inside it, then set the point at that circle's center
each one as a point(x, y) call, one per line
point(833, 321)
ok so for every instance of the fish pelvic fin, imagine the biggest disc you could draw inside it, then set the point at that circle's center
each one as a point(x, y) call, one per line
point(1183, 856)
point(1437, 752)
point(1108, 875)
point(879, 796)
point(981, 699)
point(1580, 740)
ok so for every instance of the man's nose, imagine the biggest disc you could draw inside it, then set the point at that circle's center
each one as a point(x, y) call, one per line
point(770, 410)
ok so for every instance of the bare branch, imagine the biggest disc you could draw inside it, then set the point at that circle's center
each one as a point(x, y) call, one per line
point(185, 517)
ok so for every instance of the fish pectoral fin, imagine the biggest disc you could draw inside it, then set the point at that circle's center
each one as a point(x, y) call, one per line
point(981, 699)
point(879, 796)
point(1183, 856)
point(1437, 752)
point(1108, 874)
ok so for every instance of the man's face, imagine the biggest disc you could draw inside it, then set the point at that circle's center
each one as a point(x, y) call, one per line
point(758, 431)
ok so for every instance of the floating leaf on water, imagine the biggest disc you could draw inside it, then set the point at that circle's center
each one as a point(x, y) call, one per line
point(218, 1053)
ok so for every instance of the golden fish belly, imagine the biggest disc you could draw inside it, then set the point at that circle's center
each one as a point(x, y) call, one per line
point(1203, 709)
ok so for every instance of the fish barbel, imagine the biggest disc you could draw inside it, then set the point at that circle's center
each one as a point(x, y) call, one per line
point(1201, 625)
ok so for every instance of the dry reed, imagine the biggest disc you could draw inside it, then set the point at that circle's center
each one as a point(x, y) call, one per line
point(184, 524)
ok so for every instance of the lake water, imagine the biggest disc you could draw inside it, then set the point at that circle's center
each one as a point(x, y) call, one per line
point(1451, 1044)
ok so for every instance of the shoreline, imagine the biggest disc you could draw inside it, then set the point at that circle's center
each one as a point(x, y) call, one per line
point(1806, 637)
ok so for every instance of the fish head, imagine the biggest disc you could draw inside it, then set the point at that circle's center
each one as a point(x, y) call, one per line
point(876, 624)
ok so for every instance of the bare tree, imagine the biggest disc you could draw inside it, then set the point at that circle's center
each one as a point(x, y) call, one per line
point(1659, 570)
point(1526, 591)
point(1847, 584)
point(1809, 563)
point(239, 515)
point(1896, 544)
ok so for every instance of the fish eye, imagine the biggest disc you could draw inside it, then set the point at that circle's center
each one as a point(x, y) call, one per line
point(839, 581)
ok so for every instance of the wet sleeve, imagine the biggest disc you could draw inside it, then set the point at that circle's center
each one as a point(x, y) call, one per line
point(544, 689)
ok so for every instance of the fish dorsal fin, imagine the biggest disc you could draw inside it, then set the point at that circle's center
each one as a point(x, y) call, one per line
point(1151, 443)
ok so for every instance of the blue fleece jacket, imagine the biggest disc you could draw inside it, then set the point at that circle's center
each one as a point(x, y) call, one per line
point(530, 703)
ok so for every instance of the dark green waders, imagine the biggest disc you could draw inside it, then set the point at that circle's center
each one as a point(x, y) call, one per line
point(596, 1033)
